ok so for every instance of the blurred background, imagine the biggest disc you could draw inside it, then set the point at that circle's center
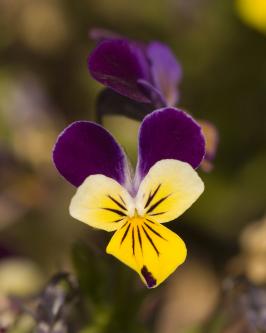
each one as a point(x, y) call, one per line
point(45, 85)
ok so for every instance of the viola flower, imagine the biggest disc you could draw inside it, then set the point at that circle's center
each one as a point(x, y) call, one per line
point(145, 73)
point(149, 75)
point(165, 185)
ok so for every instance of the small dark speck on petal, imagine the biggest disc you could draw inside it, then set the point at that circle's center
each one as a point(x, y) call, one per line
point(151, 282)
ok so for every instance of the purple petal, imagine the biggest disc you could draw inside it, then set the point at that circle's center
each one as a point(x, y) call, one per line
point(155, 95)
point(85, 148)
point(119, 64)
point(166, 71)
point(211, 135)
point(169, 134)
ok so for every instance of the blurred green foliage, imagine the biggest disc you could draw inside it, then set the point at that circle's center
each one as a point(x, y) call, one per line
point(113, 298)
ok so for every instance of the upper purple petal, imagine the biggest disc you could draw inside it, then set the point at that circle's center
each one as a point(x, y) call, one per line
point(169, 133)
point(166, 71)
point(85, 148)
point(119, 64)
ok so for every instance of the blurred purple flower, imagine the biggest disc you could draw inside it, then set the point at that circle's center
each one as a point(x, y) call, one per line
point(145, 73)
point(254, 304)
point(165, 185)
point(246, 303)
point(148, 74)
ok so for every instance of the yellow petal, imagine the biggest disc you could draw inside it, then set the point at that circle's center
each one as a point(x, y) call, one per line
point(169, 188)
point(149, 248)
point(102, 203)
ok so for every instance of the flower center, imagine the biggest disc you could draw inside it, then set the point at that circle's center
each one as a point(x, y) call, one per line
point(136, 219)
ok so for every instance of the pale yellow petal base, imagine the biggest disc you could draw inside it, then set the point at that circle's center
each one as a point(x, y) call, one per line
point(168, 190)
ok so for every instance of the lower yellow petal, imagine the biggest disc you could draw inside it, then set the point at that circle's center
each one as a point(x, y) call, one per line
point(102, 203)
point(169, 188)
point(149, 248)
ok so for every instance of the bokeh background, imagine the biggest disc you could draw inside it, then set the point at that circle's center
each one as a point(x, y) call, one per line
point(45, 85)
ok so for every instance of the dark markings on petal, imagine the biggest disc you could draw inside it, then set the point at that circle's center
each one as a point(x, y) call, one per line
point(155, 214)
point(151, 241)
point(123, 226)
point(152, 195)
point(119, 220)
point(125, 234)
point(140, 239)
point(133, 240)
point(156, 204)
point(116, 211)
point(117, 202)
point(150, 221)
point(122, 200)
point(151, 282)
point(154, 231)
